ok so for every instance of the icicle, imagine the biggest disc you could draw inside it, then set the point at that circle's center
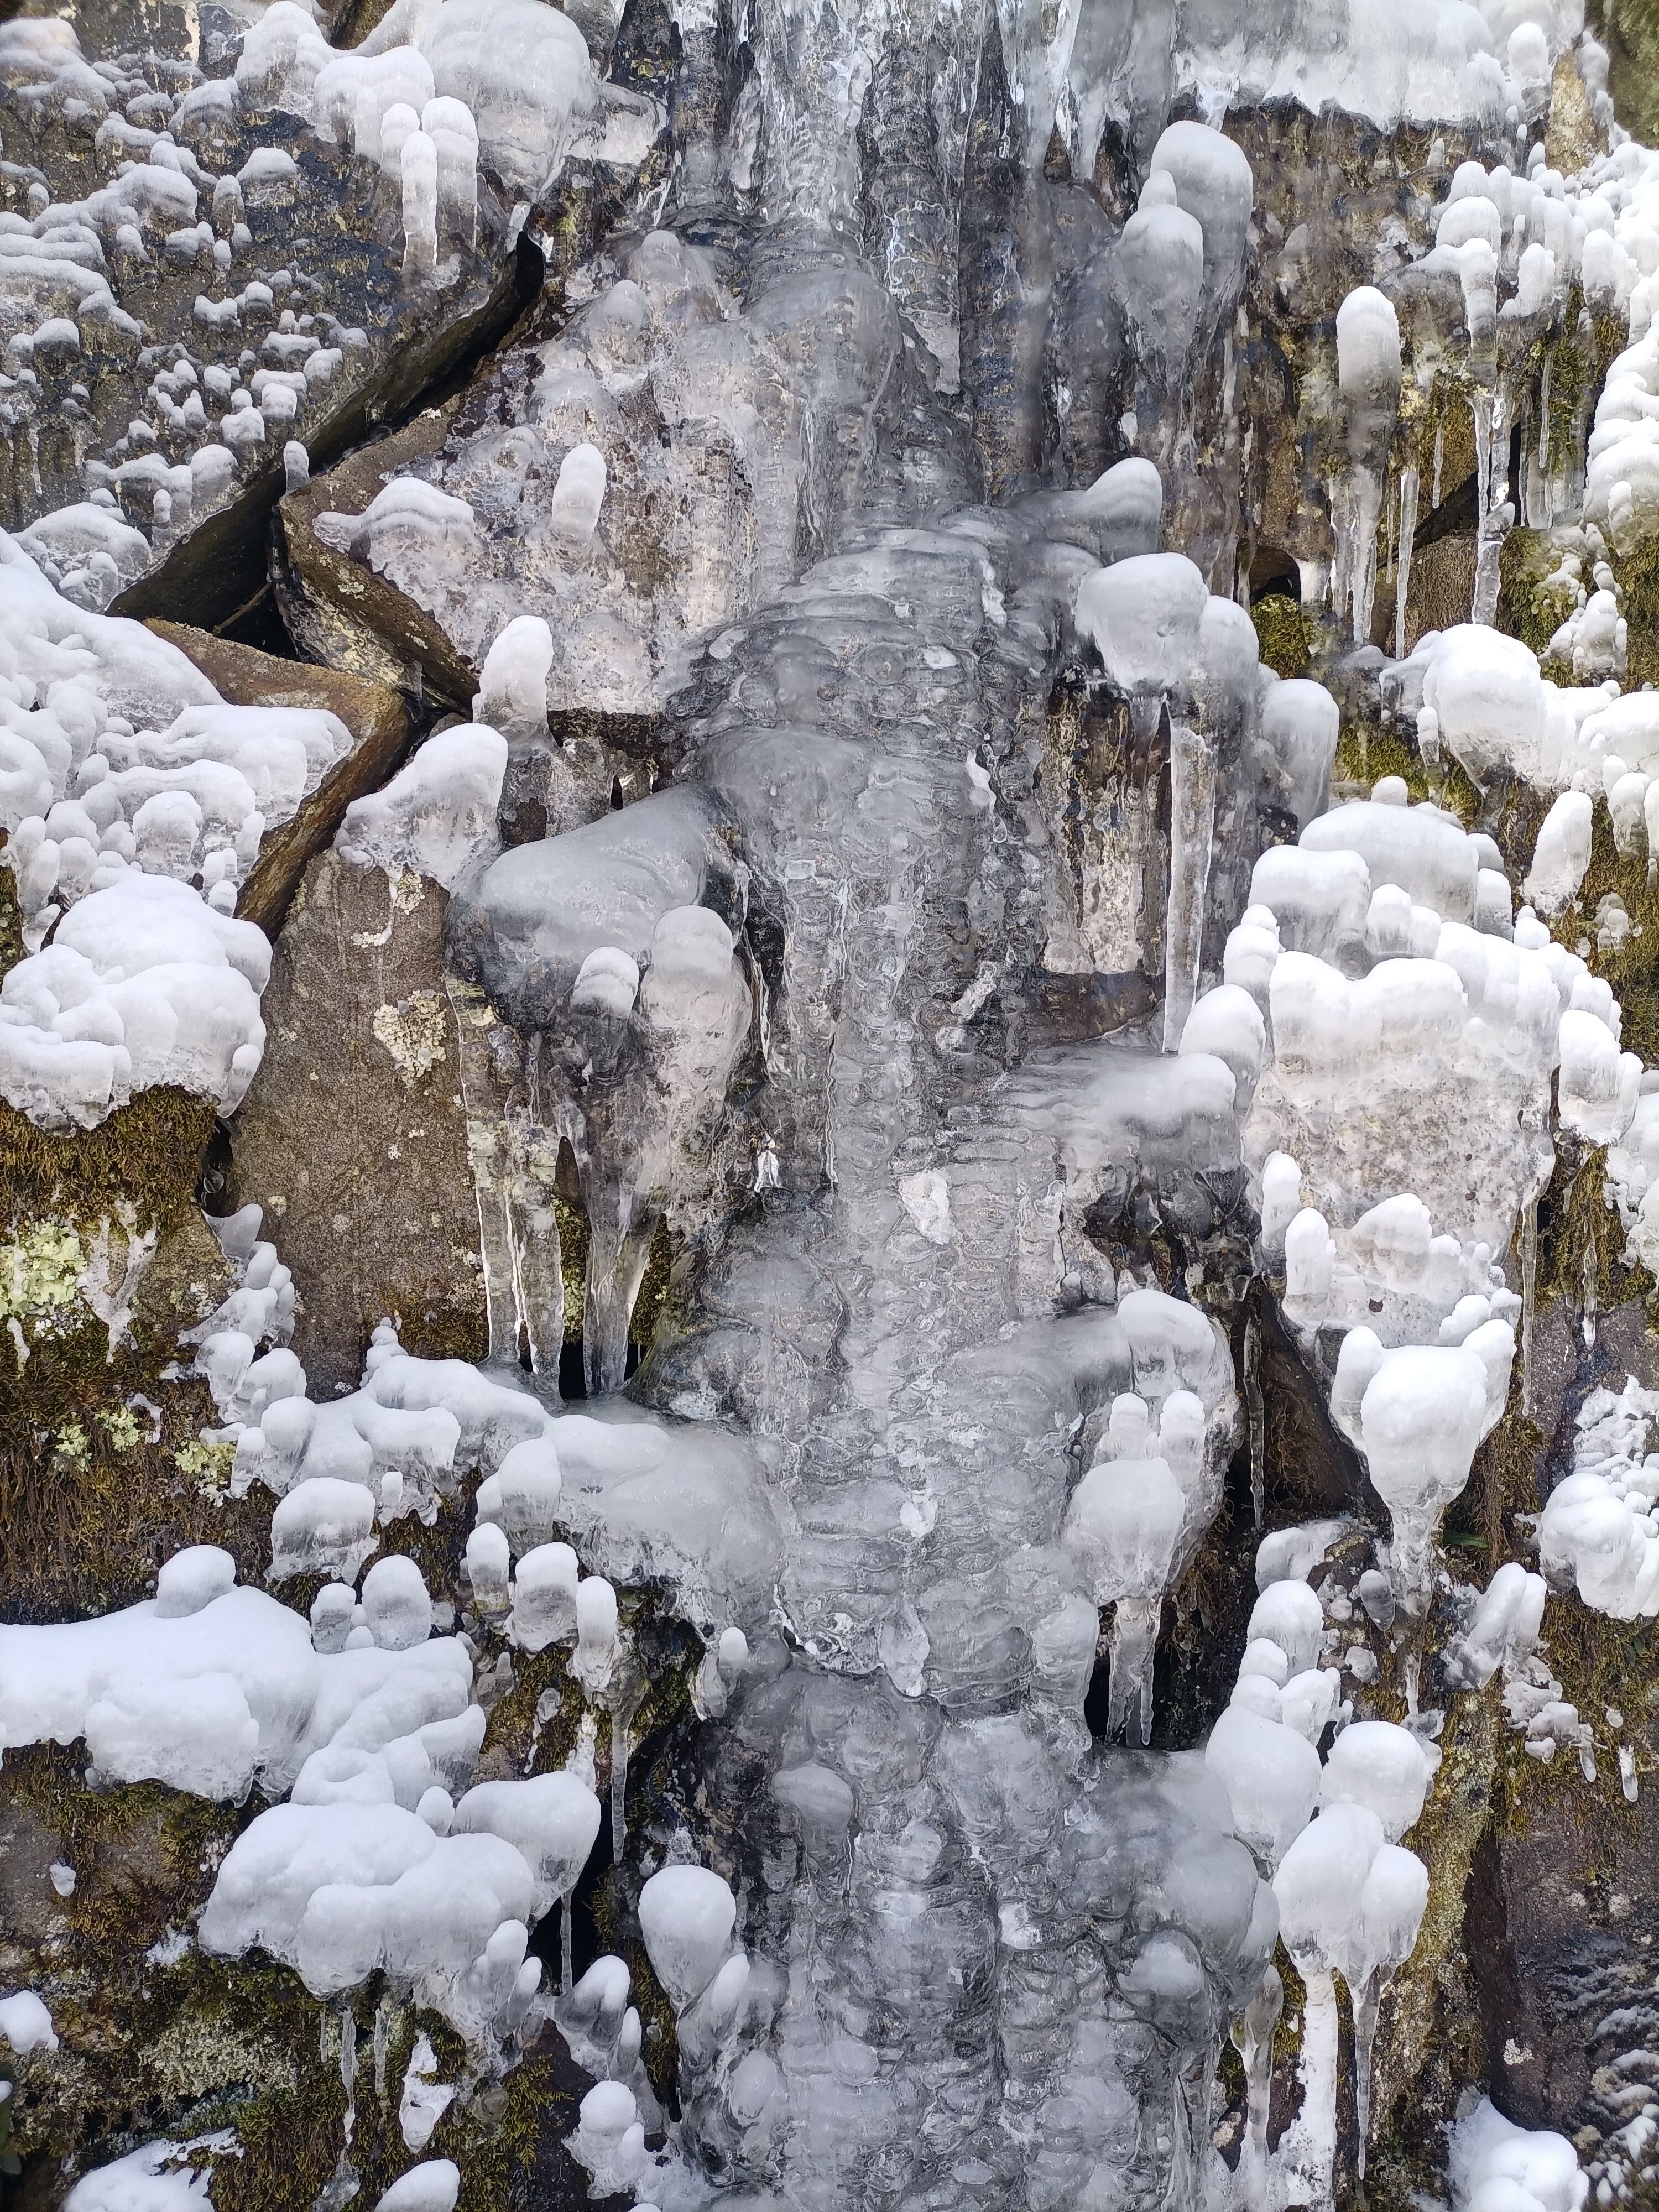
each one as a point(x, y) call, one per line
point(1529, 1291)
point(343, 2184)
point(1367, 2003)
point(1192, 831)
point(1403, 565)
point(349, 2067)
point(537, 1268)
point(382, 2045)
point(1253, 1401)
point(1389, 537)
point(618, 1782)
point(1590, 1294)
point(1133, 1649)
point(1496, 514)
point(567, 1947)
point(1543, 515)
point(1439, 456)
point(618, 1248)
point(1627, 1781)
point(1481, 414)
point(1253, 2038)
point(1314, 2126)
point(487, 1146)
point(1367, 502)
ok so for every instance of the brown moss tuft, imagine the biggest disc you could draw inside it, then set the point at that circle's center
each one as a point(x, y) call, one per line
point(1283, 634)
point(148, 1154)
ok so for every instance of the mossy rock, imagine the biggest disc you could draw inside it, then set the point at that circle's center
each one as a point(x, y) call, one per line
point(148, 1154)
point(1283, 634)
point(1525, 609)
point(1630, 31)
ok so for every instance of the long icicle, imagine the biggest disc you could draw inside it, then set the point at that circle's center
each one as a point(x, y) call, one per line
point(1192, 830)
point(1402, 588)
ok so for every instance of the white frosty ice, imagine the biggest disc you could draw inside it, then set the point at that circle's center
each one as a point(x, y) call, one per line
point(432, 2186)
point(25, 2024)
point(686, 1917)
point(155, 2179)
point(1496, 2167)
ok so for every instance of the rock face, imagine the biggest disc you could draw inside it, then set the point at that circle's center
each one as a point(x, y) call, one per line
point(828, 1250)
point(359, 1093)
point(199, 277)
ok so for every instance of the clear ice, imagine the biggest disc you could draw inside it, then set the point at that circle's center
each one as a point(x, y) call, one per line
point(999, 1152)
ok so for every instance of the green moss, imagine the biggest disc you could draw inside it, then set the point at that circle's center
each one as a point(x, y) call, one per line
point(11, 921)
point(1365, 752)
point(1631, 30)
point(538, 1675)
point(573, 1260)
point(104, 1488)
point(1283, 634)
point(1633, 969)
point(1638, 576)
point(653, 1303)
point(1527, 608)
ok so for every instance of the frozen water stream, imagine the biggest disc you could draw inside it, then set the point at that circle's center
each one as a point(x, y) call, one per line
point(857, 516)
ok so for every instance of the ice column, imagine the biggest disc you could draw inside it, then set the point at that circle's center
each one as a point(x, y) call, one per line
point(1147, 616)
point(1368, 374)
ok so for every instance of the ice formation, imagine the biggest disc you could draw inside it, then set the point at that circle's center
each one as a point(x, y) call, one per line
point(1494, 2163)
point(26, 2023)
point(135, 801)
point(947, 1040)
point(158, 2178)
point(428, 131)
point(1598, 1533)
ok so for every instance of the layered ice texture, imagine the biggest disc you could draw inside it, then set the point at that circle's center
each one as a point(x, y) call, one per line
point(928, 1445)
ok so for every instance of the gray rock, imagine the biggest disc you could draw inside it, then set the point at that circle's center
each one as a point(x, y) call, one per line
point(352, 1137)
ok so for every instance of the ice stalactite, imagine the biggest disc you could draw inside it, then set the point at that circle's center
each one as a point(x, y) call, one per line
point(626, 1048)
point(1408, 491)
point(811, 919)
point(1145, 615)
point(1369, 377)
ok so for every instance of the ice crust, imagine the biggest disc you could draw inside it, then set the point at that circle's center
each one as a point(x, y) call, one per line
point(209, 1687)
point(979, 1926)
point(167, 425)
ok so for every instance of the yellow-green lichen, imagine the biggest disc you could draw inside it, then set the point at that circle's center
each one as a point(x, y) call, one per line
point(122, 1426)
point(40, 1269)
point(207, 1465)
point(71, 1445)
